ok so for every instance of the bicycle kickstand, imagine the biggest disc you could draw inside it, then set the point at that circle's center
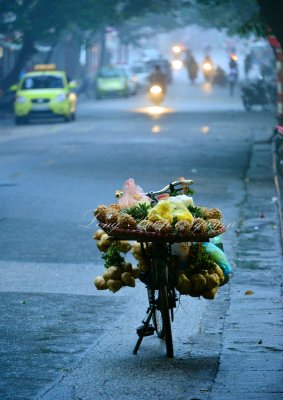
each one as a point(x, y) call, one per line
point(142, 333)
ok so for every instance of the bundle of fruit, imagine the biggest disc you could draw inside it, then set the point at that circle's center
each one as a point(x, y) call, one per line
point(174, 217)
point(118, 272)
point(200, 275)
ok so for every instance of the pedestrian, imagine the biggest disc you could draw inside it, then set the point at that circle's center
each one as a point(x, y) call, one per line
point(248, 64)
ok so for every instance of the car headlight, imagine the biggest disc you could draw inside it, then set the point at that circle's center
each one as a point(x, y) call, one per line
point(20, 99)
point(61, 97)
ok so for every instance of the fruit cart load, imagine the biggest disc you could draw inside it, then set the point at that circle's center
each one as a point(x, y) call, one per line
point(199, 265)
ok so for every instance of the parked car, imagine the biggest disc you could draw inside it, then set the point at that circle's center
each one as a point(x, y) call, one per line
point(132, 79)
point(112, 81)
point(44, 92)
point(142, 74)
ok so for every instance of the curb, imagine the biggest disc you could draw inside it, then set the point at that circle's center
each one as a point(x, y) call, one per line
point(251, 358)
point(278, 192)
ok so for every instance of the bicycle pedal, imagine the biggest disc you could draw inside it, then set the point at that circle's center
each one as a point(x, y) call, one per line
point(148, 332)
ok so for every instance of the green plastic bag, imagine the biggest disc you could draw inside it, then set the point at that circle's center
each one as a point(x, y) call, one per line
point(217, 255)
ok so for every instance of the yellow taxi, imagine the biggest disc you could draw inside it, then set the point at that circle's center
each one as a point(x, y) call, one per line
point(44, 92)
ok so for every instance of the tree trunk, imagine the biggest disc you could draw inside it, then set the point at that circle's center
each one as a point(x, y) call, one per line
point(102, 43)
point(26, 51)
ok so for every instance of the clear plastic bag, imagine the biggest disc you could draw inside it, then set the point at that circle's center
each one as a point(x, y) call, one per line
point(132, 194)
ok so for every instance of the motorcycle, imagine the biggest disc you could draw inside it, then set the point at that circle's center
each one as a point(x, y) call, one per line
point(208, 71)
point(258, 93)
point(156, 93)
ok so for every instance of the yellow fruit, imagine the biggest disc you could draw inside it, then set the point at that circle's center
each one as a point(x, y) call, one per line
point(100, 283)
point(102, 246)
point(143, 266)
point(162, 211)
point(136, 272)
point(210, 294)
point(220, 273)
point(182, 213)
point(105, 239)
point(124, 246)
point(128, 279)
point(212, 281)
point(198, 283)
point(128, 267)
point(112, 273)
point(97, 235)
point(184, 284)
point(114, 285)
point(136, 250)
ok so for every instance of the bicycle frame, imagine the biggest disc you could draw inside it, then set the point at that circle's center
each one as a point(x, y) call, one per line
point(161, 294)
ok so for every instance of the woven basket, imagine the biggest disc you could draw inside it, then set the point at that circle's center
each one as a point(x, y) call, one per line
point(143, 236)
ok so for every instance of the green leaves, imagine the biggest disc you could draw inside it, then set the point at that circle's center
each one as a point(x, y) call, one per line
point(138, 212)
point(113, 257)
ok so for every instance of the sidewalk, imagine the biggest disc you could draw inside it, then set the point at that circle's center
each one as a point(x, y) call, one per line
point(251, 360)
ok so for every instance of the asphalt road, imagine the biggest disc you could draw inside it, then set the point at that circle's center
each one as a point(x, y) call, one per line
point(51, 176)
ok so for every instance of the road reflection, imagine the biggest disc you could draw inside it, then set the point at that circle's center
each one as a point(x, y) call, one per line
point(154, 111)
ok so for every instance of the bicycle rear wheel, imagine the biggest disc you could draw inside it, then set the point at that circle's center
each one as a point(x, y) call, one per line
point(164, 306)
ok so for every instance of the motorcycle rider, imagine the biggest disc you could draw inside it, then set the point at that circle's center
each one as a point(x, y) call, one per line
point(192, 68)
point(157, 77)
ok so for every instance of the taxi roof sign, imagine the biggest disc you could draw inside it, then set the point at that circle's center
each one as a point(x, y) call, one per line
point(44, 67)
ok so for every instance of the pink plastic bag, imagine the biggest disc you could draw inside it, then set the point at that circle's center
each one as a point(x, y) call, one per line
point(132, 195)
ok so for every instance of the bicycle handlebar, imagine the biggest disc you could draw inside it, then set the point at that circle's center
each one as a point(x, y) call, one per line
point(185, 183)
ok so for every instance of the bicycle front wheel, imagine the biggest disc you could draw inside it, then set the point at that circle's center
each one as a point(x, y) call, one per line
point(165, 312)
point(156, 314)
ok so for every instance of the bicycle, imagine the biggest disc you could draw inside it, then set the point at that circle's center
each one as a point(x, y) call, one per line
point(162, 276)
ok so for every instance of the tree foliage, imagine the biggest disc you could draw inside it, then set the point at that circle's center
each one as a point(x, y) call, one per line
point(28, 22)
